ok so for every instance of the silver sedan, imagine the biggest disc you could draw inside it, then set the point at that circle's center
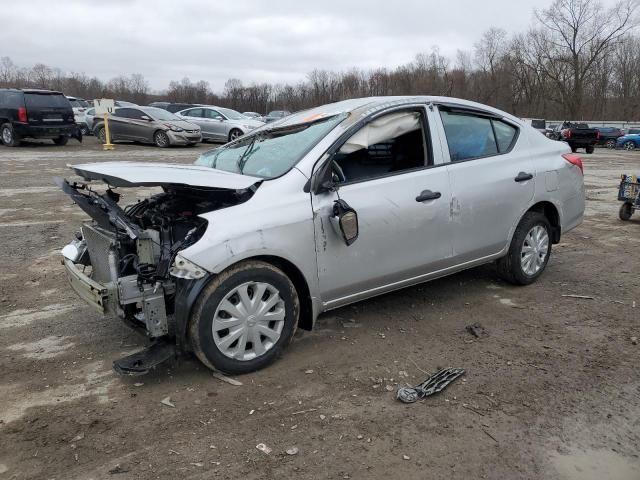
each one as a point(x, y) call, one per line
point(219, 124)
point(324, 208)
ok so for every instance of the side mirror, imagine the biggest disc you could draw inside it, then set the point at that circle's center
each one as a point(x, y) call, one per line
point(145, 117)
point(347, 220)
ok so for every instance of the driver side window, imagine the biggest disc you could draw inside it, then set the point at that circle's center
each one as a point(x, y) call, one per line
point(391, 144)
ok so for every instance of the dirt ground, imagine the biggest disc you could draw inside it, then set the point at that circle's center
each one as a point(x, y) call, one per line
point(551, 392)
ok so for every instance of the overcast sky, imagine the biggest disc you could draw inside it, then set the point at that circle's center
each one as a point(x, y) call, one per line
point(253, 40)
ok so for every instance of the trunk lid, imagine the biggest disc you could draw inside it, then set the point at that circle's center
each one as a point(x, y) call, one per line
point(134, 174)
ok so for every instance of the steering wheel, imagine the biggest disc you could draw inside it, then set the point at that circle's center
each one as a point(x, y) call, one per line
point(337, 173)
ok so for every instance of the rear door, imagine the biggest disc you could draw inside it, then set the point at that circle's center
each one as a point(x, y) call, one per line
point(48, 109)
point(492, 181)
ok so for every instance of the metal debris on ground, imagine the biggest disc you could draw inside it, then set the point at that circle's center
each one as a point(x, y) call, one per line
point(292, 451)
point(167, 401)
point(229, 380)
point(434, 384)
point(584, 297)
point(117, 470)
point(476, 329)
point(263, 448)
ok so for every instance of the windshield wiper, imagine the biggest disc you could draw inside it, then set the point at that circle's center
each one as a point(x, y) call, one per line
point(245, 155)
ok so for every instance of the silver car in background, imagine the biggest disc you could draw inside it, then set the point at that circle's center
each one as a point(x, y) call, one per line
point(325, 208)
point(219, 124)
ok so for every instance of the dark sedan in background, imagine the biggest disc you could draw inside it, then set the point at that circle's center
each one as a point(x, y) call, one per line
point(608, 136)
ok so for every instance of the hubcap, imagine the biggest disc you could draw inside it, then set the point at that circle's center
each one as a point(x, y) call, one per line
point(102, 136)
point(630, 145)
point(6, 135)
point(611, 143)
point(162, 139)
point(248, 321)
point(534, 250)
point(235, 134)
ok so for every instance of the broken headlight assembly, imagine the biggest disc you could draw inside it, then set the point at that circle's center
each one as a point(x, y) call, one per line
point(183, 268)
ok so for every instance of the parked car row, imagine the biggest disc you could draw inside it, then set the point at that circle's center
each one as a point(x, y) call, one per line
point(581, 135)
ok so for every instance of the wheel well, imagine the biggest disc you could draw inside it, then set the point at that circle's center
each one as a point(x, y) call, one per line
point(550, 211)
point(306, 309)
point(229, 137)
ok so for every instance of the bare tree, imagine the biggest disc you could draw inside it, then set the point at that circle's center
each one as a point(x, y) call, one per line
point(573, 36)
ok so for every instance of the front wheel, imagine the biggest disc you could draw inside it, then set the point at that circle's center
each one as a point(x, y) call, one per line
point(626, 210)
point(244, 318)
point(161, 139)
point(101, 135)
point(611, 143)
point(629, 145)
point(233, 134)
point(529, 251)
point(60, 141)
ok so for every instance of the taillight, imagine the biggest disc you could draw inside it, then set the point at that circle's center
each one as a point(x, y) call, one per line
point(566, 133)
point(574, 159)
point(22, 114)
point(598, 135)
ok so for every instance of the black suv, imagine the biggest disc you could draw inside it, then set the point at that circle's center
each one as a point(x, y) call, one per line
point(30, 113)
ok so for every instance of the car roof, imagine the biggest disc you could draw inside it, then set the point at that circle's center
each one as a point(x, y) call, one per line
point(360, 107)
point(32, 90)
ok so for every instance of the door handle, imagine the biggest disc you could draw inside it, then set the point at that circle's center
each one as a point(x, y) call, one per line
point(523, 177)
point(428, 195)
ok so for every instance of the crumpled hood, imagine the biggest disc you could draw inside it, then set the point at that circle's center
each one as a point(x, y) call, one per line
point(134, 174)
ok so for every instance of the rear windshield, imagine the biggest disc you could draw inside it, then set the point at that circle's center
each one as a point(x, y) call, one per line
point(45, 100)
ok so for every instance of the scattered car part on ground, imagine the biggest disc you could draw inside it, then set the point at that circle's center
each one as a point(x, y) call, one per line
point(322, 209)
point(476, 329)
point(629, 195)
point(33, 113)
point(437, 382)
point(219, 124)
point(147, 125)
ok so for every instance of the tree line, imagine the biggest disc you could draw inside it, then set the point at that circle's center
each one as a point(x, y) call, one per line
point(579, 60)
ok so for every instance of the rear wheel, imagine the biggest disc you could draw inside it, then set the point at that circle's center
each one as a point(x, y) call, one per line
point(8, 135)
point(161, 139)
point(574, 149)
point(626, 210)
point(61, 140)
point(244, 318)
point(611, 143)
point(629, 145)
point(529, 251)
point(84, 130)
point(235, 133)
point(590, 149)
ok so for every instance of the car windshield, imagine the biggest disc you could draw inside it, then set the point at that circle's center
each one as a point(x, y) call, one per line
point(75, 103)
point(231, 114)
point(160, 114)
point(270, 152)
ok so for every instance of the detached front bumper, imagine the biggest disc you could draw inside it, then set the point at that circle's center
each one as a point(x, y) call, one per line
point(92, 292)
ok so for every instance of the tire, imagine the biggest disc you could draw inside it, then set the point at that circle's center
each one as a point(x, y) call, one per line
point(590, 149)
point(161, 139)
point(101, 135)
point(626, 211)
point(510, 267)
point(60, 141)
point(611, 143)
point(235, 133)
point(209, 314)
point(574, 149)
point(629, 145)
point(8, 135)
point(84, 130)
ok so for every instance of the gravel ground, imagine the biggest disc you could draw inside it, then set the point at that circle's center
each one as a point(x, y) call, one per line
point(551, 391)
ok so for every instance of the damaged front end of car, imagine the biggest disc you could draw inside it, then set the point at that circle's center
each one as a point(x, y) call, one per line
point(126, 262)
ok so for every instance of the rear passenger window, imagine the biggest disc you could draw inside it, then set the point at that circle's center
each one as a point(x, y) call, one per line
point(505, 135)
point(471, 136)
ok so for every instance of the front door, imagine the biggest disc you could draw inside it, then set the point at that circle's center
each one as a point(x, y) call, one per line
point(387, 175)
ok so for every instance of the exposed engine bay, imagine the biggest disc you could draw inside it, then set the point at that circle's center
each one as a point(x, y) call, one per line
point(133, 251)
